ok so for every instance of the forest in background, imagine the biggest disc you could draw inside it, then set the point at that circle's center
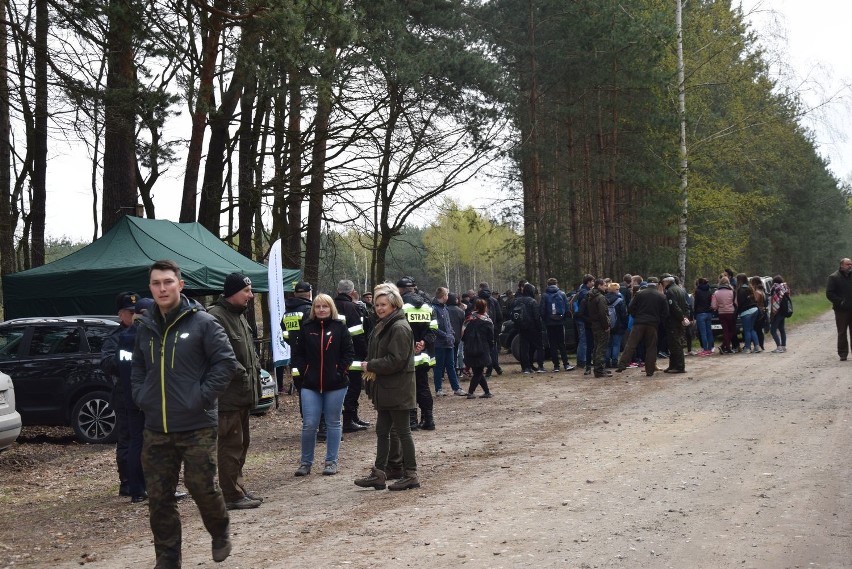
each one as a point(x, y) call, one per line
point(340, 126)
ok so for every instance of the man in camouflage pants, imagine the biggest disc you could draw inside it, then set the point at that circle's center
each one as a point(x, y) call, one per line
point(182, 362)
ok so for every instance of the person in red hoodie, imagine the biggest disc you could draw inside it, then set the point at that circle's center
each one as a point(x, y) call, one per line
point(321, 357)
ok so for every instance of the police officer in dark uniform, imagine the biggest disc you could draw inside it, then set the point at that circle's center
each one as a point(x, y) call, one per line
point(423, 321)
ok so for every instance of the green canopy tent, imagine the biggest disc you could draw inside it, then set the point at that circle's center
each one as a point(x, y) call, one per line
point(87, 281)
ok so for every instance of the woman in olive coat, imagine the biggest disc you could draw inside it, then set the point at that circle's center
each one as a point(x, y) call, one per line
point(389, 374)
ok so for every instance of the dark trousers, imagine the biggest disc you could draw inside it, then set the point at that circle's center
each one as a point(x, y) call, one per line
point(530, 347)
point(424, 393)
point(398, 422)
point(162, 457)
point(353, 393)
point(728, 322)
point(675, 336)
point(556, 339)
point(647, 335)
point(135, 429)
point(495, 355)
point(599, 356)
point(232, 448)
point(478, 379)
point(590, 344)
point(779, 334)
point(122, 437)
point(843, 319)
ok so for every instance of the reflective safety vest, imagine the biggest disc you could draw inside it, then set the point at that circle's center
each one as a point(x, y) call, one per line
point(357, 329)
point(291, 323)
point(423, 359)
point(422, 315)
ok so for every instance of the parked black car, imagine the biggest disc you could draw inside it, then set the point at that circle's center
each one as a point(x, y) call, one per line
point(54, 363)
point(508, 338)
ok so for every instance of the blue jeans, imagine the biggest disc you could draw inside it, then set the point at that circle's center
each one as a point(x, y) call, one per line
point(614, 348)
point(581, 342)
point(314, 404)
point(445, 359)
point(749, 335)
point(705, 332)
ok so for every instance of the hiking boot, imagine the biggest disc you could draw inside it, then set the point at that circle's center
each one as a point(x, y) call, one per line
point(408, 481)
point(412, 420)
point(486, 395)
point(330, 468)
point(376, 479)
point(471, 396)
point(244, 503)
point(303, 470)
point(221, 548)
point(394, 472)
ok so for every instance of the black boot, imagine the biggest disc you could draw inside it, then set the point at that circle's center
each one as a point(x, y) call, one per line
point(428, 422)
point(361, 421)
point(412, 420)
point(349, 424)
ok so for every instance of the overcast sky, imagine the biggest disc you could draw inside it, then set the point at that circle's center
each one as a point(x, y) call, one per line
point(808, 46)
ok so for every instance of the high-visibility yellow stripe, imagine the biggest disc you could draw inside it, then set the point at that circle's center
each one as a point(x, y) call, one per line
point(356, 330)
point(422, 359)
point(355, 366)
point(294, 372)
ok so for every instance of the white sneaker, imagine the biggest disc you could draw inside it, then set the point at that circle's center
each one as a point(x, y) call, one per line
point(440, 393)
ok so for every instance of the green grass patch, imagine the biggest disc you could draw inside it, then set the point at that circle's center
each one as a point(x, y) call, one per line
point(806, 307)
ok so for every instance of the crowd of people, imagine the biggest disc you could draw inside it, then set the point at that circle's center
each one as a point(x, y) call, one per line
point(187, 378)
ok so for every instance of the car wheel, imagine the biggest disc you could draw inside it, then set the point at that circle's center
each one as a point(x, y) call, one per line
point(93, 419)
point(515, 347)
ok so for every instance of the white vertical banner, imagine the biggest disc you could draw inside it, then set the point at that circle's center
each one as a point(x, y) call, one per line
point(280, 348)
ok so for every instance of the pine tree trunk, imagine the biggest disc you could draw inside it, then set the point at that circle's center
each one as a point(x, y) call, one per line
point(39, 138)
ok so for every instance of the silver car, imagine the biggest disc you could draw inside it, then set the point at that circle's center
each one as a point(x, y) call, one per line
point(10, 420)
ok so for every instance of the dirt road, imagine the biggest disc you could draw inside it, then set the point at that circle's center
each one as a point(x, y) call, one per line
point(745, 461)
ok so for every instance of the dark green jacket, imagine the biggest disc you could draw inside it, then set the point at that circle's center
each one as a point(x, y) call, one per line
point(391, 357)
point(244, 389)
point(597, 312)
point(678, 306)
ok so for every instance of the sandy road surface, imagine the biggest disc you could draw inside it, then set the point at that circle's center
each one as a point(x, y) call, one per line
point(745, 461)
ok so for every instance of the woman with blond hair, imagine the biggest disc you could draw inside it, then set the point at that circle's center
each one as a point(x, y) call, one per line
point(321, 357)
point(389, 378)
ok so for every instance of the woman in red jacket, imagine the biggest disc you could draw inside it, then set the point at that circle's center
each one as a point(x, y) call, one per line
point(321, 358)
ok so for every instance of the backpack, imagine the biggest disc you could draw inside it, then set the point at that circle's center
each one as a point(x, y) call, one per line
point(786, 306)
point(584, 306)
point(556, 305)
point(518, 313)
point(475, 342)
point(574, 303)
point(613, 313)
